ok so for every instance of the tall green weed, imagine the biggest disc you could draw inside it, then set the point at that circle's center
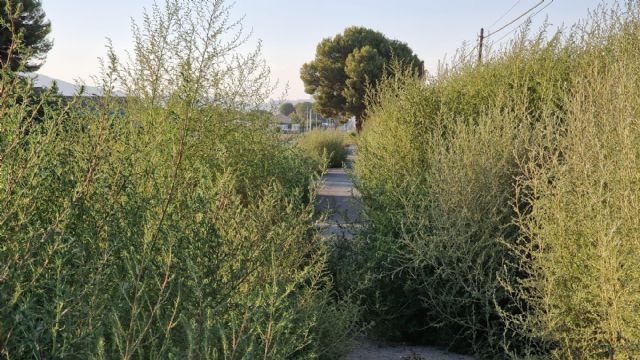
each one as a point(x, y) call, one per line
point(325, 146)
point(168, 224)
point(499, 199)
point(579, 248)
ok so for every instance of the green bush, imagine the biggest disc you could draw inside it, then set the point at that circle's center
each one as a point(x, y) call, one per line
point(500, 199)
point(325, 146)
point(579, 248)
point(437, 172)
point(170, 224)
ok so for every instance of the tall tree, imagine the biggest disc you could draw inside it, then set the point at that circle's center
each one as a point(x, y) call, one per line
point(303, 109)
point(25, 20)
point(346, 65)
point(286, 109)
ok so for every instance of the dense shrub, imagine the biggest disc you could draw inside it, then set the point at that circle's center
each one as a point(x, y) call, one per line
point(171, 224)
point(437, 172)
point(579, 248)
point(499, 198)
point(324, 146)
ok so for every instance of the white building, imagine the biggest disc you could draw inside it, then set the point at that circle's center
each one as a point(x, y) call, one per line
point(286, 124)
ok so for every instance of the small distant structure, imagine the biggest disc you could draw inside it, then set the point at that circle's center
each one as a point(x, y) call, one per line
point(348, 126)
point(287, 124)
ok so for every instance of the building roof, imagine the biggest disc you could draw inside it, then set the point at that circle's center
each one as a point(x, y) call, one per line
point(283, 119)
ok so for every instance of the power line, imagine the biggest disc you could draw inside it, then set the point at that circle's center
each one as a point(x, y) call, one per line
point(483, 37)
point(505, 35)
point(516, 19)
point(505, 14)
point(517, 27)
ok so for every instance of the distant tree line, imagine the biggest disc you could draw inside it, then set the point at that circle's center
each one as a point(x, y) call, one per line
point(300, 112)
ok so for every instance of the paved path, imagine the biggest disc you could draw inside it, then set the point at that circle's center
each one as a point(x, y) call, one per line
point(340, 199)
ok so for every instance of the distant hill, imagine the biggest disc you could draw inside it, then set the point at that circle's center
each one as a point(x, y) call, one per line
point(66, 88)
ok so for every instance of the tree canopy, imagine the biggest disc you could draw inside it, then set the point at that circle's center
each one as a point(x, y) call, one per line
point(286, 108)
point(345, 65)
point(303, 109)
point(26, 20)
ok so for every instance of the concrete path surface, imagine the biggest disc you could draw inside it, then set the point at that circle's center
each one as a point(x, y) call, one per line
point(339, 198)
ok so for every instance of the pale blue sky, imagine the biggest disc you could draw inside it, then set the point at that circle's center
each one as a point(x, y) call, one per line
point(291, 29)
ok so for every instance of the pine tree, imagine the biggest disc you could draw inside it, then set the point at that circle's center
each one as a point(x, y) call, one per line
point(24, 20)
point(347, 65)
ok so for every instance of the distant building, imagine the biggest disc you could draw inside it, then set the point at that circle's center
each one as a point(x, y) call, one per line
point(286, 124)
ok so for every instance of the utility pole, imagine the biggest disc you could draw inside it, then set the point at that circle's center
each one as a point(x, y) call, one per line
point(480, 46)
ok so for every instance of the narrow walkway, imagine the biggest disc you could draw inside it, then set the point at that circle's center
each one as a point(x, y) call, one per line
point(340, 199)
